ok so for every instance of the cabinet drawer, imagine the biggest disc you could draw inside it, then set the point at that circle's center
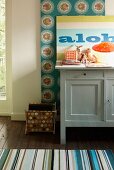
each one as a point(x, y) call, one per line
point(84, 74)
point(109, 73)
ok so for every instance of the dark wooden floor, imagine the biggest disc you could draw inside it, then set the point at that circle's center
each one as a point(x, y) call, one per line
point(12, 135)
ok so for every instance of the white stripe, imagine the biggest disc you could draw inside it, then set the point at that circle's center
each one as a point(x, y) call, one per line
point(107, 160)
point(62, 160)
point(84, 25)
point(56, 160)
point(98, 160)
point(104, 164)
point(28, 159)
point(39, 159)
point(46, 159)
point(86, 160)
point(83, 165)
point(71, 160)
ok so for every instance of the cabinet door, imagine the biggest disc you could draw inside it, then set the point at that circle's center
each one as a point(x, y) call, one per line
point(109, 100)
point(83, 100)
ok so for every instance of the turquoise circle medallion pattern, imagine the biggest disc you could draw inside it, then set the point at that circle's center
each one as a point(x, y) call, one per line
point(98, 6)
point(47, 36)
point(81, 6)
point(64, 7)
point(47, 7)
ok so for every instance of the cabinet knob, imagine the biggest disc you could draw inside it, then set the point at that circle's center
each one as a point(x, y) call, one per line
point(109, 101)
point(84, 74)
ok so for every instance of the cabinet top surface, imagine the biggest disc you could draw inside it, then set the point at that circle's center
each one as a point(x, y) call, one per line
point(91, 66)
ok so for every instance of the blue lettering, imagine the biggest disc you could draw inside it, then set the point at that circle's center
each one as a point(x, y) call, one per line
point(64, 39)
point(107, 38)
point(93, 39)
point(80, 38)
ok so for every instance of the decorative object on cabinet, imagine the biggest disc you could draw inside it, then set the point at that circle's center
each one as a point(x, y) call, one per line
point(70, 55)
point(40, 117)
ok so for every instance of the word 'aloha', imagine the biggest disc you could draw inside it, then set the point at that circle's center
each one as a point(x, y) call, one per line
point(81, 39)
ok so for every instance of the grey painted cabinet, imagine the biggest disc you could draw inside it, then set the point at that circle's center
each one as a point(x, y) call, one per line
point(87, 98)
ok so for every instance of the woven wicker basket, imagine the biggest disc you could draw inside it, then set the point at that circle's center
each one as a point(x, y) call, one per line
point(41, 120)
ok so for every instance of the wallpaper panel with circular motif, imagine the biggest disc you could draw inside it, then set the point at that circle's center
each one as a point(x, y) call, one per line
point(50, 78)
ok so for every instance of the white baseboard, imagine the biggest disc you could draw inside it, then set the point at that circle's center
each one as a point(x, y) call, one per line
point(18, 116)
point(5, 114)
point(21, 117)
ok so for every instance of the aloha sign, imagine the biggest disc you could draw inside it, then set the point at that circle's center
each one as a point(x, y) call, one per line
point(83, 34)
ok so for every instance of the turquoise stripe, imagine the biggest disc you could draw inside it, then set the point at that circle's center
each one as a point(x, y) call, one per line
point(94, 160)
point(4, 157)
point(78, 160)
point(111, 157)
point(75, 160)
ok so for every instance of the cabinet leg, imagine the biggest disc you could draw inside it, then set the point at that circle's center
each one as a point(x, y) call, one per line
point(63, 135)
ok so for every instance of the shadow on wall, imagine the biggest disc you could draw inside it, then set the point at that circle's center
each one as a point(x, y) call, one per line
point(25, 90)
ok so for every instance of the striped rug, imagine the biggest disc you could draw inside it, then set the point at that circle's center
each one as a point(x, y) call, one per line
point(44, 159)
